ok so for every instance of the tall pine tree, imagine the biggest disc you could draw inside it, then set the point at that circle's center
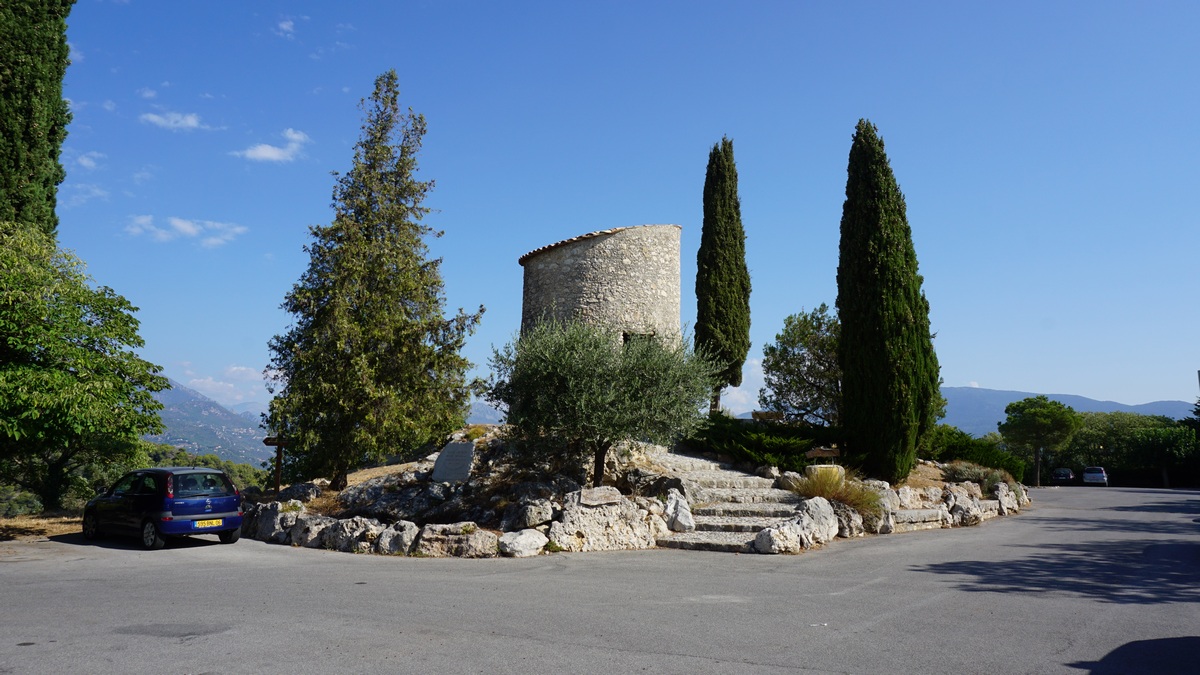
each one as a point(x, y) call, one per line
point(371, 366)
point(722, 280)
point(33, 114)
point(890, 378)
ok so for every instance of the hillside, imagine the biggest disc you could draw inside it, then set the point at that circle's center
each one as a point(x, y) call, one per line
point(203, 426)
point(200, 424)
point(978, 411)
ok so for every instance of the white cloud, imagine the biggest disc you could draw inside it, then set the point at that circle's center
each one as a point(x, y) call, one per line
point(973, 384)
point(243, 374)
point(73, 53)
point(78, 194)
point(109, 105)
point(738, 400)
point(222, 392)
point(209, 233)
point(147, 92)
point(286, 28)
point(88, 160)
point(296, 140)
point(175, 121)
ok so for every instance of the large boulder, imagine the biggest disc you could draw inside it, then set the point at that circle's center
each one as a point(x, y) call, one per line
point(273, 522)
point(962, 504)
point(815, 524)
point(353, 535)
point(523, 544)
point(461, 540)
point(789, 480)
point(678, 512)
point(850, 522)
point(399, 496)
point(816, 515)
point(1009, 503)
point(303, 492)
point(786, 537)
point(526, 515)
point(397, 539)
point(309, 530)
point(601, 519)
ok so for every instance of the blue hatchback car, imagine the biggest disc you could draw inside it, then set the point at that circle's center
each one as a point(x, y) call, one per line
point(156, 504)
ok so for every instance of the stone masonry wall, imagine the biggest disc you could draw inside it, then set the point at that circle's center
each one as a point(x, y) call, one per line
point(626, 278)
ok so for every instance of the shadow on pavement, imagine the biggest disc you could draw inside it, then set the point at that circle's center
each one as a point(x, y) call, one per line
point(1167, 655)
point(1123, 572)
point(131, 543)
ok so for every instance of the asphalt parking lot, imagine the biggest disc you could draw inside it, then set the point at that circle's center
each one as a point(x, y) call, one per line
point(1087, 580)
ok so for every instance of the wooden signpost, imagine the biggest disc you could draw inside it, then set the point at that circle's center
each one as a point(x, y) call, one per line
point(278, 443)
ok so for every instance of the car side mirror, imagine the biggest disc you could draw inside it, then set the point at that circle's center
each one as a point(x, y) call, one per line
point(101, 490)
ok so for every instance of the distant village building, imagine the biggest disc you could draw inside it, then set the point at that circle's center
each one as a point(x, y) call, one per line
point(626, 278)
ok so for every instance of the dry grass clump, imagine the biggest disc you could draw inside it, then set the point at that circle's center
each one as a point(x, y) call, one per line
point(988, 478)
point(38, 526)
point(849, 491)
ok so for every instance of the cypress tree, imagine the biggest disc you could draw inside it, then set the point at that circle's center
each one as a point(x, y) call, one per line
point(890, 378)
point(372, 367)
point(33, 114)
point(722, 280)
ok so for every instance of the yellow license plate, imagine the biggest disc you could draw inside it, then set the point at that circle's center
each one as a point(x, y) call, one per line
point(208, 523)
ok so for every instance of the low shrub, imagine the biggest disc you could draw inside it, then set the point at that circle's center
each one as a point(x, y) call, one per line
point(758, 443)
point(850, 491)
point(988, 478)
point(950, 443)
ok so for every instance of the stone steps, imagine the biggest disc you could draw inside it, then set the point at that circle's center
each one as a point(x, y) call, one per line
point(729, 507)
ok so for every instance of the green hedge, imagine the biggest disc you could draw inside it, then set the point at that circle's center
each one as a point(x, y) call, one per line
point(761, 444)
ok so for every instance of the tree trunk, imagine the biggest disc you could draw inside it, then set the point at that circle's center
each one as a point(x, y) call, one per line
point(1037, 477)
point(714, 405)
point(598, 466)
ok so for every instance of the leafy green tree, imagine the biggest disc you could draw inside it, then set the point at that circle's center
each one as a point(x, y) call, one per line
point(570, 392)
point(722, 279)
point(1163, 447)
point(801, 371)
point(33, 114)
point(891, 396)
point(74, 395)
point(1041, 425)
point(243, 475)
point(371, 367)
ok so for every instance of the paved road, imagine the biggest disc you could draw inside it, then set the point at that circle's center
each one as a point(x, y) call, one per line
point(1089, 580)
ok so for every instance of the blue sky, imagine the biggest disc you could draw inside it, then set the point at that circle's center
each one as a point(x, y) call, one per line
point(1047, 153)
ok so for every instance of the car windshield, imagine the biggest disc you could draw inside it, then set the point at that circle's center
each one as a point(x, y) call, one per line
point(201, 485)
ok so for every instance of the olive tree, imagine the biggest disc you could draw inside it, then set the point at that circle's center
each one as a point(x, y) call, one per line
point(570, 391)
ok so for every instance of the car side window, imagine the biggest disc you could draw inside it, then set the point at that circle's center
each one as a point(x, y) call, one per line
point(146, 486)
point(125, 485)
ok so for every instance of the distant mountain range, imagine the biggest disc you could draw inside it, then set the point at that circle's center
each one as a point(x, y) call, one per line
point(978, 411)
point(203, 426)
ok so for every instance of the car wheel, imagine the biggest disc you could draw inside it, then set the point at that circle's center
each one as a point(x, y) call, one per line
point(91, 526)
point(151, 539)
point(230, 536)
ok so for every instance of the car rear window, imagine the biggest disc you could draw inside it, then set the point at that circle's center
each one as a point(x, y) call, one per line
point(201, 485)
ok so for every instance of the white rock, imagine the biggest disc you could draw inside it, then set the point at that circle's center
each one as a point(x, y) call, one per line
point(603, 527)
point(397, 539)
point(523, 544)
point(678, 512)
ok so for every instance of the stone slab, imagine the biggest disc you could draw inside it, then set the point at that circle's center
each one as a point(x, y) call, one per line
point(454, 463)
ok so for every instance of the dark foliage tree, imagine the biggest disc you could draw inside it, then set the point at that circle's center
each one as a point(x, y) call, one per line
point(890, 378)
point(570, 392)
point(371, 366)
point(74, 395)
point(722, 280)
point(801, 371)
point(1041, 425)
point(33, 114)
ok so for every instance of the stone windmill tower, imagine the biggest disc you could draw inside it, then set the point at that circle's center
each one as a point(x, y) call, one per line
point(626, 279)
